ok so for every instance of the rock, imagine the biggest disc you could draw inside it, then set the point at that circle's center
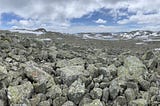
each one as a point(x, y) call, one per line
point(105, 95)
point(95, 102)
point(96, 93)
point(70, 73)
point(69, 103)
point(40, 88)
point(34, 73)
point(59, 101)
point(120, 101)
point(2, 103)
point(144, 85)
point(104, 71)
point(84, 101)
point(54, 91)
point(17, 94)
point(138, 102)
point(71, 62)
point(152, 63)
point(3, 72)
point(113, 70)
point(135, 67)
point(130, 94)
point(45, 103)
point(148, 55)
point(93, 71)
point(76, 91)
point(114, 89)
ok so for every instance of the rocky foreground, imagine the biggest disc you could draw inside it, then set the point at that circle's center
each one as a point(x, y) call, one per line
point(38, 72)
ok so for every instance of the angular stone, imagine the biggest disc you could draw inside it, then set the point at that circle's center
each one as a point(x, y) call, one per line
point(95, 102)
point(33, 72)
point(130, 94)
point(138, 102)
point(114, 89)
point(59, 101)
point(70, 73)
point(96, 93)
point(120, 101)
point(54, 91)
point(105, 95)
point(104, 71)
point(45, 103)
point(3, 72)
point(76, 91)
point(17, 94)
point(69, 103)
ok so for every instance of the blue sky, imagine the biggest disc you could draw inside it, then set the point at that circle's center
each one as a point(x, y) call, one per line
point(81, 15)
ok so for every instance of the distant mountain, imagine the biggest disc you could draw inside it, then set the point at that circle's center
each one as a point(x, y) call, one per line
point(138, 34)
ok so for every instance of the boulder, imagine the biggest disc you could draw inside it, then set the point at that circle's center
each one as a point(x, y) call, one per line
point(70, 73)
point(17, 94)
point(76, 91)
point(54, 91)
point(71, 62)
point(138, 102)
point(3, 72)
point(130, 94)
point(59, 101)
point(36, 74)
point(44, 103)
point(120, 101)
point(69, 103)
point(133, 67)
point(96, 93)
point(105, 95)
point(114, 89)
point(95, 102)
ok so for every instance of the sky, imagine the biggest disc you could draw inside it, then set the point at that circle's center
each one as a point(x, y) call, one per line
point(74, 16)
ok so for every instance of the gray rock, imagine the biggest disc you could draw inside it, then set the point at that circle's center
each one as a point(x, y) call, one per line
point(71, 62)
point(33, 72)
point(138, 102)
point(54, 91)
point(59, 101)
point(120, 101)
point(17, 94)
point(114, 89)
point(133, 67)
point(148, 55)
point(96, 93)
point(104, 71)
point(95, 102)
point(2, 103)
point(130, 94)
point(40, 88)
point(70, 73)
point(144, 85)
point(76, 91)
point(69, 103)
point(45, 103)
point(113, 70)
point(3, 72)
point(105, 95)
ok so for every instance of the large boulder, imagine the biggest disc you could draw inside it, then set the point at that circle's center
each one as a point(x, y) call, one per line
point(96, 93)
point(133, 67)
point(95, 102)
point(76, 91)
point(17, 94)
point(70, 73)
point(138, 102)
point(3, 72)
point(36, 74)
point(71, 62)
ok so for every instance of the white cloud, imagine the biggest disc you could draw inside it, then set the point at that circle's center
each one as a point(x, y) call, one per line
point(56, 14)
point(100, 21)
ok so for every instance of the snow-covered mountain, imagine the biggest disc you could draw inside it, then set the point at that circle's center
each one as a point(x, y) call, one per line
point(140, 35)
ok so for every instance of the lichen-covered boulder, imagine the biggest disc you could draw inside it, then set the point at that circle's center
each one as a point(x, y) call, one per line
point(33, 72)
point(96, 93)
point(70, 73)
point(17, 94)
point(95, 102)
point(3, 72)
point(138, 102)
point(69, 103)
point(76, 91)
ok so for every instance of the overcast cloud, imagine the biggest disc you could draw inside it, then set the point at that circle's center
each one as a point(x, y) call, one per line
point(57, 14)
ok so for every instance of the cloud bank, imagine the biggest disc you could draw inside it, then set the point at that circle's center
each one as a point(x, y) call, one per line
point(57, 14)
